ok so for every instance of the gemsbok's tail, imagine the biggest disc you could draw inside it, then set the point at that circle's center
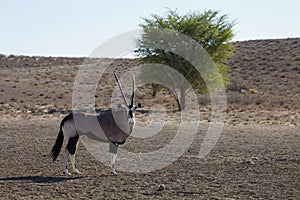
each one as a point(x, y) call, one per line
point(58, 143)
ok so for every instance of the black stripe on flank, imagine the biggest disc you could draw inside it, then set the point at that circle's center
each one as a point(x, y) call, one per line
point(113, 147)
point(72, 144)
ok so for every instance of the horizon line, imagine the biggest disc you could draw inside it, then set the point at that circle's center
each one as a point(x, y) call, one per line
point(123, 57)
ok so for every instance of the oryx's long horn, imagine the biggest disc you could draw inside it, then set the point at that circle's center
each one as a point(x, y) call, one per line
point(133, 88)
point(122, 92)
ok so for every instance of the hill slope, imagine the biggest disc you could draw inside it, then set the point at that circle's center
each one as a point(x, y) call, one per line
point(265, 76)
point(270, 67)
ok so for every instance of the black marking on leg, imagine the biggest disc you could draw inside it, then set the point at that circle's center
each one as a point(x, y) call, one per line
point(113, 147)
point(72, 144)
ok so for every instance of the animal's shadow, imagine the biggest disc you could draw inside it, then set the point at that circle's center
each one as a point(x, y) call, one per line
point(40, 179)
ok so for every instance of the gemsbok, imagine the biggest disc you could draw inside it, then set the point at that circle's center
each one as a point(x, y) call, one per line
point(115, 127)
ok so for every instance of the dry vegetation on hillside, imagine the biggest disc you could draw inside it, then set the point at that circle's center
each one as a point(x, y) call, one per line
point(265, 76)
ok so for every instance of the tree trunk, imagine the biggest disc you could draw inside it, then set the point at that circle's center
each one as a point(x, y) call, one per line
point(155, 89)
point(178, 104)
point(180, 100)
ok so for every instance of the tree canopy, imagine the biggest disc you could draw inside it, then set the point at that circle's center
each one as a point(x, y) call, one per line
point(210, 29)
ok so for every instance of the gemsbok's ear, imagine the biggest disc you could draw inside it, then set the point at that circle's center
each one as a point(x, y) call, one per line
point(139, 105)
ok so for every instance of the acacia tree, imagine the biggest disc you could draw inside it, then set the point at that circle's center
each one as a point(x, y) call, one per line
point(213, 32)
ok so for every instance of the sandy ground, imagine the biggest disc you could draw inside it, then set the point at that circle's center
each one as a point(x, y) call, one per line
point(248, 162)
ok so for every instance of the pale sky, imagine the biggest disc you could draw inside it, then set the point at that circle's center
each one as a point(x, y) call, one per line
point(76, 28)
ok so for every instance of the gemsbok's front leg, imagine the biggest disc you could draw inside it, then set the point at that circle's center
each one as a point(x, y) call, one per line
point(113, 149)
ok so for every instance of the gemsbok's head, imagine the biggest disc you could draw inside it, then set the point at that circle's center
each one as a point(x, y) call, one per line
point(130, 108)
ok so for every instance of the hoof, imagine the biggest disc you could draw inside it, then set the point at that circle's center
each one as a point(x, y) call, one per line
point(114, 173)
point(67, 173)
point(77, 171)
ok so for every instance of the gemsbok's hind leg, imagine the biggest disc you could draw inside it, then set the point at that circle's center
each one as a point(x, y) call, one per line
point(66, 156)
point(73, 162)
point(71, 148)
point(113, 149)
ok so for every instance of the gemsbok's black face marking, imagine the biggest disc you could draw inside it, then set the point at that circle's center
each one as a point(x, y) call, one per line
point(131, 111)
point(131, 114)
